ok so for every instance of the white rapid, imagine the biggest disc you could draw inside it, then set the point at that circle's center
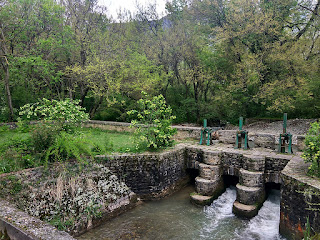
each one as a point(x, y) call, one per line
point(221, 223)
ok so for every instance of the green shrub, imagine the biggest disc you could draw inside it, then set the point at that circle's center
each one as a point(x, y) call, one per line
point(43, 137)
point(66, 114)
point(312, 150)
point(69, 146)
point(157, 118)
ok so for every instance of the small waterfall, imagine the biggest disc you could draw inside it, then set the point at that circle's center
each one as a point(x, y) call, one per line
point(266, 224)
point(218, 214)
point(221, 223)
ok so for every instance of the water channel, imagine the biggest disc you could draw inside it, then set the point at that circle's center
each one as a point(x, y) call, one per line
point(176, 218)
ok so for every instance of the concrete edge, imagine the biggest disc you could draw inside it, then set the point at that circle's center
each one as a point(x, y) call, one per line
point(20, 225)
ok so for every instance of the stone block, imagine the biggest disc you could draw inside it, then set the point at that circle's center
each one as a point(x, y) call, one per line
point(253, 162)
point(264, 140)
point(209, 187)
point(250, 195)
point(201, 200)
point(212, 157)
point(227, 136)
point(276, 163)
point(251, 179)
point(244, 211)
point(209, 171)
point(232, 158)
point(300, 142)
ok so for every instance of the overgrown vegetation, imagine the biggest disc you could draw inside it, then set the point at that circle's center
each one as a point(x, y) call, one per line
point(152, 123)
point(20, 150)
point(312, 150)
point(214, 59)
point(67, 196)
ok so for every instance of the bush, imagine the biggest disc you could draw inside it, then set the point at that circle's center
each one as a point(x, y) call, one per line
point(43, 137)
point(69, 146)
point(312, 150)
point(66, 114)
point(157, 118)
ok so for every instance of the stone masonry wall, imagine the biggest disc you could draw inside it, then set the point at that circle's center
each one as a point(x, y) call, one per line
point(151, 175)
point(300, 199)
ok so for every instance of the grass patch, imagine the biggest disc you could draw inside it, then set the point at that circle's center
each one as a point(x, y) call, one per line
point(19, 151)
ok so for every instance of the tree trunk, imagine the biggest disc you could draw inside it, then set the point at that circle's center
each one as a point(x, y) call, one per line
point(7, 87)
point(5, 66)
point(95, 107)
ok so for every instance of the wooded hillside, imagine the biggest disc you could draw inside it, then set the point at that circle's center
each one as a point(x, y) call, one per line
point(214, 59)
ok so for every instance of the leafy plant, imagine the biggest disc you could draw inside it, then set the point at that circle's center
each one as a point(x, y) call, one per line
point(67, 146)
point(153, 120)
point(43, 137)
point(312, 150)
point(65, 113)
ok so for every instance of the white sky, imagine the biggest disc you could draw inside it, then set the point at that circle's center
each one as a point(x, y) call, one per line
point(113, 6)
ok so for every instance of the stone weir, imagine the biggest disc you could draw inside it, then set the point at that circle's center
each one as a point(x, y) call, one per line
point(254, 168)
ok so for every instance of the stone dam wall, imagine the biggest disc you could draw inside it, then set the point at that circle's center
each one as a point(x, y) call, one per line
point(151, 175)
point(155, 175)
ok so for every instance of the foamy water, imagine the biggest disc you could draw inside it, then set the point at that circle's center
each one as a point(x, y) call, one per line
point(176, 218)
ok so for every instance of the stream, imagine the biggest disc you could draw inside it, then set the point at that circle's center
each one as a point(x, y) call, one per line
point(176, 218)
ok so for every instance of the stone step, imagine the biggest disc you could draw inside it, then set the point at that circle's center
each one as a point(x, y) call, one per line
point(250, 178)
point(250, 195)
point(209, 187)
point(245, 211)
point(209, 171)
point(201, 200)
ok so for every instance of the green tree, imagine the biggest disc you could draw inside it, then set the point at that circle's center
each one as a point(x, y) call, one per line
point(153, 120)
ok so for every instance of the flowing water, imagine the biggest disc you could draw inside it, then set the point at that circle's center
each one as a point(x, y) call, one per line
point(176, 218)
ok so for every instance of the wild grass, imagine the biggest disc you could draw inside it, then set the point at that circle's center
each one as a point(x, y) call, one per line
point(18, 149)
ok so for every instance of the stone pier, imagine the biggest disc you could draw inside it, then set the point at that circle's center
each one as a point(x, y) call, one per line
point(253, 167)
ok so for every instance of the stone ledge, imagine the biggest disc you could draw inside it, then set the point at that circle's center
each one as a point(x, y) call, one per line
point(20, 225)
point(245, 211)
point(201, 200)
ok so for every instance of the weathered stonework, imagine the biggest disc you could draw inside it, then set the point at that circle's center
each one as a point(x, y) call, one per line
point(210, 172)
point(209, 187)
point(300, 199)
point(154, 175)
point(254, 162)
point(17, 225)
point(263, 140)
point(250, 195)
point(150, 175)
point(251, 179)
point(243, 210)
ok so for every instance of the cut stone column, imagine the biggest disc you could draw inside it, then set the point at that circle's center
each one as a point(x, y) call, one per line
point(209, 187)
point(250, 194)
point(254, 162)
point(212, 157)
point(209, 171)
point(251, 179)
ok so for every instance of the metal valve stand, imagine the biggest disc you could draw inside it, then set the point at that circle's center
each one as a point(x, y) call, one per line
point(285, 139)
point(205, 133)
point(242, 137)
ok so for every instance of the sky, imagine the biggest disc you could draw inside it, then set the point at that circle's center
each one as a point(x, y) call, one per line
point(114, 5)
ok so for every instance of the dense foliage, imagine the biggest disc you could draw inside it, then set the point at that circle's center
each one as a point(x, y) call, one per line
point(312, 150)
point(65, 113)
point(157, 116)
point(213, 59)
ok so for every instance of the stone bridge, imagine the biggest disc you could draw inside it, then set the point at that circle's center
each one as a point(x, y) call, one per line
point(254, 168)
